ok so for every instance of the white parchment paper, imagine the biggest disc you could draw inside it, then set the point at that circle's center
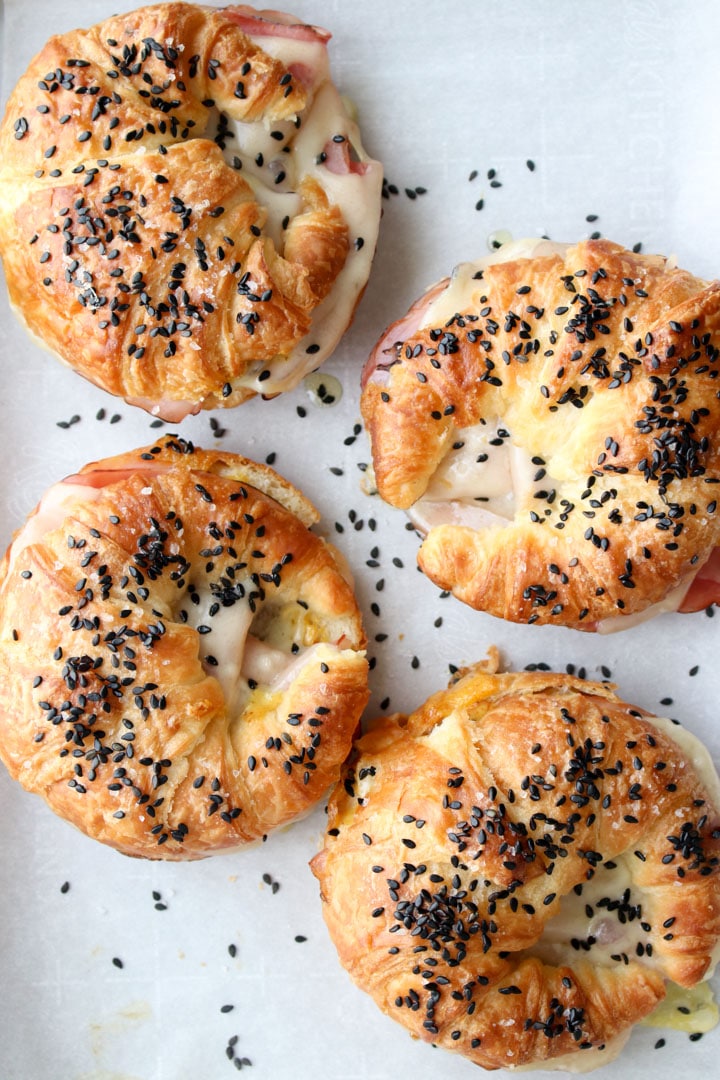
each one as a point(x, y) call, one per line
point(113, 969)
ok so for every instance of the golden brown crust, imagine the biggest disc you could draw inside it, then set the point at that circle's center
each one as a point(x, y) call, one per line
point(601, 364)
point(458, 832)
point(132, 248)
point(181, 662)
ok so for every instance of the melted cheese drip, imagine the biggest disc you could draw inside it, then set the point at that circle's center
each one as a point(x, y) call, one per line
point(685, 1010)
point(671, 603)
point(358, 198)
point(356, 195)
point(464, 287)
point(581, 1061)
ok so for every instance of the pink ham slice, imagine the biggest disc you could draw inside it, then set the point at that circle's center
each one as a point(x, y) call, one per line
point(167, 409)
point(303, 73)
point(269, 23)
point(57, 502)
point(100, 478)
point(383, 355)
point(338, 160)
point(705, 589)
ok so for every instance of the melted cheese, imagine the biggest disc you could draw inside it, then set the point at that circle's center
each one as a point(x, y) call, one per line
point(53, 509)
point(581, 1061)
point(240, 660)
point(464, 288)
point(479, 493)
point(611, 936)
point(358, 198)
point(685, 1010)
point(229, 628)
point(671, 603)
point(357, 195)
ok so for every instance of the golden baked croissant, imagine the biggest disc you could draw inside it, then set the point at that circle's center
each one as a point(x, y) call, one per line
point(550, 419)
point(187, 216)
point(181, 664)
point(515, 869)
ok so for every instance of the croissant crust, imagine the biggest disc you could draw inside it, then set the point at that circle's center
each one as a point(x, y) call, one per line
point(169, 223)
point(181, 658)
point(466, 840)
point(593, 372)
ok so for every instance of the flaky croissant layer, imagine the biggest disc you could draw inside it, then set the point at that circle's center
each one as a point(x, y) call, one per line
point(550, 420)
point(515, 869)
point(181, 658)
point(187, 216)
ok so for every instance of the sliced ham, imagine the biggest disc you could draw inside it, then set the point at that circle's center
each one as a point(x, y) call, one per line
point(458, 290)
point(269, 23)
point(58, 501)
point(303, 73)
point(384, 354)
point(339, 161)
point(426, 515)
point(705, 588)
point(167, 409)
point(100, 478)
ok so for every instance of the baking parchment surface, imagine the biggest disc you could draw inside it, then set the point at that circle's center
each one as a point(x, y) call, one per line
point(114, 969)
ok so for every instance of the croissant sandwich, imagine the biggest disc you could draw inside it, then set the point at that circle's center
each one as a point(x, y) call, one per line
point(181, 658)
point(516, 870)
point(187, 215)
point(549, 418)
